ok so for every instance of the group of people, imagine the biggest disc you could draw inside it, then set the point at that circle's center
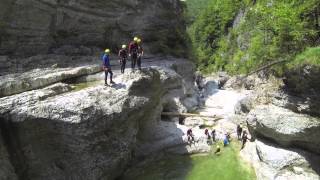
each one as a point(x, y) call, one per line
point(242, 135)
point(135, 51)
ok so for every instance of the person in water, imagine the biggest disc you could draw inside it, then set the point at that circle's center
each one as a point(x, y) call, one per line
point(107, 66)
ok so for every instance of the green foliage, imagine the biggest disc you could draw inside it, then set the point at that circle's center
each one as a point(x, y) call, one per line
point(311, 56)
point(267, 31)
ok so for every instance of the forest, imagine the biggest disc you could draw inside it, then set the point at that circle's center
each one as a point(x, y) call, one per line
point(240, 36)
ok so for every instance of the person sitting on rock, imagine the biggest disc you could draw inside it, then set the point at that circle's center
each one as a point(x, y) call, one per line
point(218, 150)
point(107, 66)
point(190, 135)
point(213, 135)
point(239, 131)
point(244, 139)
point(123, 55)
point(206, 132)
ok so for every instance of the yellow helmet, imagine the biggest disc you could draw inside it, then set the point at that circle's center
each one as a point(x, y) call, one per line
point(139, 41)
point(218, 146)
point(124, 46)
point(135, 39)
point(107, 51)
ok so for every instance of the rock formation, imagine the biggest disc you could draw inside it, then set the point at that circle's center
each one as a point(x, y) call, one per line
point(83, 28)
point(59, 133)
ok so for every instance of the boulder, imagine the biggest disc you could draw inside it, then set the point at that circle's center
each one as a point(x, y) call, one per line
point(235, 82)
point(303, 80)
point(244, 105)
point(298, 103)
point(285, 127)
point(223, 78)
point(273, 162)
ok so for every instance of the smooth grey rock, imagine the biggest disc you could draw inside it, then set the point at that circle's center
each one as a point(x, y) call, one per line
point(30, 27)
point(90, 133)
point(285, 127)
point(17, 83)
point(244, 105)
point(273, 162)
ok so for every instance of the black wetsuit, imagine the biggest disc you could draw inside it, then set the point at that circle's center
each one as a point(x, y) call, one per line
point(244, 140)
point(123, 55)
point(140, 52)
point(133, 50)
point(239, 131)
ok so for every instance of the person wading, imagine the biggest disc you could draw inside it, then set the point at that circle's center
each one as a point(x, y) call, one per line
point(140, 53)
point(107, 66)
point(123, 55)
point(133, 52)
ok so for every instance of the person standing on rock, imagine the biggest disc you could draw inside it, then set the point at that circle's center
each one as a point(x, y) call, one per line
point(239, 131)
point(140, 53)
point(206, 132)
point(107, 66)
point(190, 136)
point(213, 135)
point(226, 140)
point(133, 52)
point(244, 139)
point(123, 55)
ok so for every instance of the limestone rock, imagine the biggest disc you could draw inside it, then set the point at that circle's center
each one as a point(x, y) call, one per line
point(285, 127)
point(17, 83)
point(244, 105)
point(30, 27)
point(91, 133)
point(272, 162)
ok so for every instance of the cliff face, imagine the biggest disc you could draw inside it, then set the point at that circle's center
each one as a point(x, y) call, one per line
point(58, 132)
point(29, 27)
